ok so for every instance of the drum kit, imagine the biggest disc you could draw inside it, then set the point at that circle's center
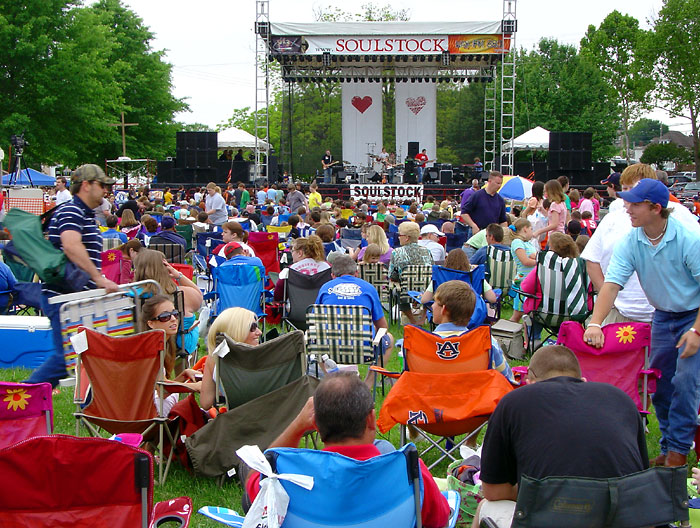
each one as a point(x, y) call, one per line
point(380, 170)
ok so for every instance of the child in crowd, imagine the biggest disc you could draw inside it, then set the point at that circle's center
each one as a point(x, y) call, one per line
point(524, 253)
point(588, 225)
point(581, 242)
point(372, 254)
point(557, 213)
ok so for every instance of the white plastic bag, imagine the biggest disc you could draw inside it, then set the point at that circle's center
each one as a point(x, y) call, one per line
point(270, 506)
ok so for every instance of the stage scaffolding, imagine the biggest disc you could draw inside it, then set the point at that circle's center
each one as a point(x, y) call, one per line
point(366, 66)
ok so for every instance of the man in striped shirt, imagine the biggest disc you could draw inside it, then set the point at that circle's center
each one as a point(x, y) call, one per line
point(74, 231)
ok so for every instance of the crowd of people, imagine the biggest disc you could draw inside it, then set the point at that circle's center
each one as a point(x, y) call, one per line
point(640, 250)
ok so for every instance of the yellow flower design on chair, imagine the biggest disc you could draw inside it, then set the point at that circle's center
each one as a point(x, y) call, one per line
point(17, 399)
point(625, 334)
point(111, 256)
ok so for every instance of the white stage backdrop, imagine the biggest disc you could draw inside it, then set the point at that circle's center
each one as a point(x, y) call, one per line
point(362, 121)
point(416, 114)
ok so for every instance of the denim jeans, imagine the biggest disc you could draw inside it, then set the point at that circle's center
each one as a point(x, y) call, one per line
point(678, 391)
point(53, 369)
point(327, 175)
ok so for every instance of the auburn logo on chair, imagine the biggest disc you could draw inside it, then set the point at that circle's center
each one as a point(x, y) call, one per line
point(417, 417)
point(447, 350)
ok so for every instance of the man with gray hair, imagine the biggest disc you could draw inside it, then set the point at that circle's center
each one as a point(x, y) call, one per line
point(346, 288)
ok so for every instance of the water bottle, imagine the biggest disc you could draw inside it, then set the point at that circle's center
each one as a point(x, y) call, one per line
point(331, 367)
point(311, 365)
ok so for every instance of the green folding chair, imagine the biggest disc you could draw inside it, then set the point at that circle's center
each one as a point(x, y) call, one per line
point(500, 271)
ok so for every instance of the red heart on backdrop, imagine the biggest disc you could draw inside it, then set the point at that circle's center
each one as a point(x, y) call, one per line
point(361, 103)
point(415, 105)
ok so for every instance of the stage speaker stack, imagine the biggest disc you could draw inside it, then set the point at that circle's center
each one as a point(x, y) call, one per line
point(413, 149)
point(409, 174)
point(195, 161)
point(446, 177)
point(570, 155)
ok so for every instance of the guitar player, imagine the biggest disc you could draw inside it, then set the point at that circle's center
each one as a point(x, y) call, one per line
point(421, 163)
point(327, 162)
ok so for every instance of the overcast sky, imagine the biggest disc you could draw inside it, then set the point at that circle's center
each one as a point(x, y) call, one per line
point(211, 43)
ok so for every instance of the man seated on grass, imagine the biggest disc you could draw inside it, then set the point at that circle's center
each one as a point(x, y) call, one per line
point(342, 411)
point(453, 306)
point(557, 425)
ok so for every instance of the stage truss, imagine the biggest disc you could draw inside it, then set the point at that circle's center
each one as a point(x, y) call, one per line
point(285, 44)
point(131, 173)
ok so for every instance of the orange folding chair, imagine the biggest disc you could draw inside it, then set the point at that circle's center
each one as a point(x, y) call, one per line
point(125, 373)
point(447, 389)
point(25, 410)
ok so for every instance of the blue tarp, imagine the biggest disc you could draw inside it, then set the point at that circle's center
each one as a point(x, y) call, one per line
point(39, 179)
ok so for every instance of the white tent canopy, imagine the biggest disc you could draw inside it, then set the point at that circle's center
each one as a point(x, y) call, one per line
point(535, 139)
point(237, 138)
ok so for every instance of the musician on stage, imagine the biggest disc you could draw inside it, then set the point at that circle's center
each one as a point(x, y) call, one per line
point(422, 159)
point(327, 162)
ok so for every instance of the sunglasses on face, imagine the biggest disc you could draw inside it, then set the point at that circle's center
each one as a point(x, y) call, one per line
point(165, 316)
point(253, 326)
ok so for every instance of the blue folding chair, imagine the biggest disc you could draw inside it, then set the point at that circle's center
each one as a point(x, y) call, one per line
point(455, 241)
point(207, 241)
point(386, 490)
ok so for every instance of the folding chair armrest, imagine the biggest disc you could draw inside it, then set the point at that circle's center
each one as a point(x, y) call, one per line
point(174, 510)
point(211, 295)
point(415, 295)
point(172, 387)
point(524, 294)
point(378, 336)
point(384, 372)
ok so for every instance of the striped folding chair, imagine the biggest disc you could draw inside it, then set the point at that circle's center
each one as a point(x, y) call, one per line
point(566, 294)
point(377, 275)
point(174, 253)
point(110, 243)
point(500, 270)
point(412, 278)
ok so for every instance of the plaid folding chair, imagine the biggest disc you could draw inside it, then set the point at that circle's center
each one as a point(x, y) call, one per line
point(377, 275)
point(110, 243)
point(114, 314)
point(174, 253)
point(25, 410)
point(412, 278)
point(93, 482)
point(123, 374)
point(345, 333)
point(500, 270)
point(566, 294)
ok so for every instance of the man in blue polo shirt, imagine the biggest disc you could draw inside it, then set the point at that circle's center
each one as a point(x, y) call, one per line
point(665, 256)
point(74, 231)
point(486, 206)
point(348, 289)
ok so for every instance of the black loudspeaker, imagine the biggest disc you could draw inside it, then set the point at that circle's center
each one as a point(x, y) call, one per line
point(196, 140)
point(602, 170)
point(569, 151)
point(164, 170)
point(274, 170)
point(446, 177)
point(413, 149)
point(409, 173)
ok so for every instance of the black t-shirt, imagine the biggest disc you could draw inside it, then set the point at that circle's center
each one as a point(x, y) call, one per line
point(563, 427)
point(327, 159)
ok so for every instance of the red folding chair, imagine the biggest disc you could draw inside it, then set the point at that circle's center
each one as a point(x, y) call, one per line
point(64, 481)
point(623, 361)
point(266, 247)
point(25, 410)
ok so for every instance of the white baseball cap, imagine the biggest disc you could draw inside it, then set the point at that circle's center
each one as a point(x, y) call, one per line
point(430, 229)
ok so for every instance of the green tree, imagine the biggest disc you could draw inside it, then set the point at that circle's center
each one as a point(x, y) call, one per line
point(145, 82)
point(57, 82)
point(644, 130)
point(676, 46)
point(613, 48)
point(368, 13)
point(560, 90)
point(661, 153)
point(460, 114)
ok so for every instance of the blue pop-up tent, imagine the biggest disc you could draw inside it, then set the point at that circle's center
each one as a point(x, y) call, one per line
point(39, 179)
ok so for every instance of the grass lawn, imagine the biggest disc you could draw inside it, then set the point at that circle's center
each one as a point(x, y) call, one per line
point(204, 491)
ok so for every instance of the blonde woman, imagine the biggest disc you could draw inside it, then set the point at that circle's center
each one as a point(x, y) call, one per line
point(129, 225)
point(215, 205)
point(239, 324)
point(151, 264)
point(375, 235)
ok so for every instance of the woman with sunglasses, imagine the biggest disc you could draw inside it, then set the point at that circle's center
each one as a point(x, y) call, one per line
point(151, 264)
point(239, 324)
point(159, 313)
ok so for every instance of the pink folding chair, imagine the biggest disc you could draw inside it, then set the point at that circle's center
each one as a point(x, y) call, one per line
point(25, 410)
point(623, 361)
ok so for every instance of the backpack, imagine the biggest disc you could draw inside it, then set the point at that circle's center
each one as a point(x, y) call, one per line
point(49, 263)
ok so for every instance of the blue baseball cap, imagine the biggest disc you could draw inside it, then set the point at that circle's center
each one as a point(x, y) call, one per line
point(613, 179)
point(647, 189)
